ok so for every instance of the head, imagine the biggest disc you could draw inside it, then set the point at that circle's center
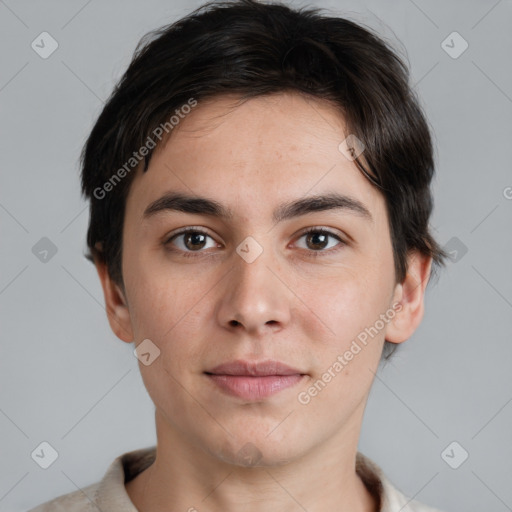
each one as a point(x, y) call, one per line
point(237, 111)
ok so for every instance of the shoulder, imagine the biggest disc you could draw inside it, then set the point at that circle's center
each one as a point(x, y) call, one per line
point(391, 498)
point(107, 494)
point(77, 501)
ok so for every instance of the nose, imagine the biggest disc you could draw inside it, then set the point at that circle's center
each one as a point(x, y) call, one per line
point(255, 297)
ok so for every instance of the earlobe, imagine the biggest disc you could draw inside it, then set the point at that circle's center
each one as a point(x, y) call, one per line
point(115, 304)
point(410, 294)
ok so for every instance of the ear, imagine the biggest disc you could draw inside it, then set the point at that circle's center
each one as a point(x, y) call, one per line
point(410, 294)
point(116, 305)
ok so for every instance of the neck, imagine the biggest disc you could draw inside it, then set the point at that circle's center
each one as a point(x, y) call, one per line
point(185, 477)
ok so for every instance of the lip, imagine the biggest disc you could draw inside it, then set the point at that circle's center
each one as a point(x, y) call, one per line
point(254, 380)
point(254, 369)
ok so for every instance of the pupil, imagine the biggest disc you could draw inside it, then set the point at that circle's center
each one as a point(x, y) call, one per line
point(316, 236)
point(196, 240)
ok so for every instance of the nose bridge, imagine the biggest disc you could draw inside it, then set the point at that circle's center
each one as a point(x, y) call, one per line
point(253, 295)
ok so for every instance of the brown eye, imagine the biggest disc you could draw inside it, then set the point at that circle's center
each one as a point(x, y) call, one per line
point(320, 241)
point(194, 240)
point(316, 240)
point(190, 240)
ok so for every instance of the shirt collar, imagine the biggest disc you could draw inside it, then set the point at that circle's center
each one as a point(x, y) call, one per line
point(111, 492)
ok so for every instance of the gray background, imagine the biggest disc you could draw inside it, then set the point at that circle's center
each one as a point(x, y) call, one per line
point(66, 379)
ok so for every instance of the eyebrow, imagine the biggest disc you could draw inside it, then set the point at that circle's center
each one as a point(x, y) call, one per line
point(204, 206)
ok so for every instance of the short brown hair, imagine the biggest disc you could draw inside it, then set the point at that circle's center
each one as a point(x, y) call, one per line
point(252, 49)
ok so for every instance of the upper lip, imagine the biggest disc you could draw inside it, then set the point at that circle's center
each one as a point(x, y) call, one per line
point(254, 369)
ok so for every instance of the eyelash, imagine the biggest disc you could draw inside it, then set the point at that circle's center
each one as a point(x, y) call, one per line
point(312, 253)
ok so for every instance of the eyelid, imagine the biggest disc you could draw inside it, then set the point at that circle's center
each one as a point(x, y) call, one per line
point(187, 229)
point(323, 229)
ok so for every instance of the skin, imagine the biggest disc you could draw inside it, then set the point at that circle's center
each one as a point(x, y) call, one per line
point(290, 306)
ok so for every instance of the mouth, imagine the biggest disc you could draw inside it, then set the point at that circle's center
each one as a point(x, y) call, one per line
point(254, 380)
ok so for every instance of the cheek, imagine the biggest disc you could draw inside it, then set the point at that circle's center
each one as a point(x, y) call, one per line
point(156, 297)
point(168, 310)
point(347, 302)
point(348, 353)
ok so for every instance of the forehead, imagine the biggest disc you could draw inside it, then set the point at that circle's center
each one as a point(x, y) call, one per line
point(255, 154)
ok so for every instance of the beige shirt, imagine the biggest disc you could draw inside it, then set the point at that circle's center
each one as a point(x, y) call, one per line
point(109, 494)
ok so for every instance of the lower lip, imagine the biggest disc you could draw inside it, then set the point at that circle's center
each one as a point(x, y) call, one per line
point(254, 388)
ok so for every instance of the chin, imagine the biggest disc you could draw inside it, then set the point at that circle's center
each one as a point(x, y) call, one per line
point(256, 449)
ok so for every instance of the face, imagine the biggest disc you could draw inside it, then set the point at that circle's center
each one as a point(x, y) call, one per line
point(259, 279)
